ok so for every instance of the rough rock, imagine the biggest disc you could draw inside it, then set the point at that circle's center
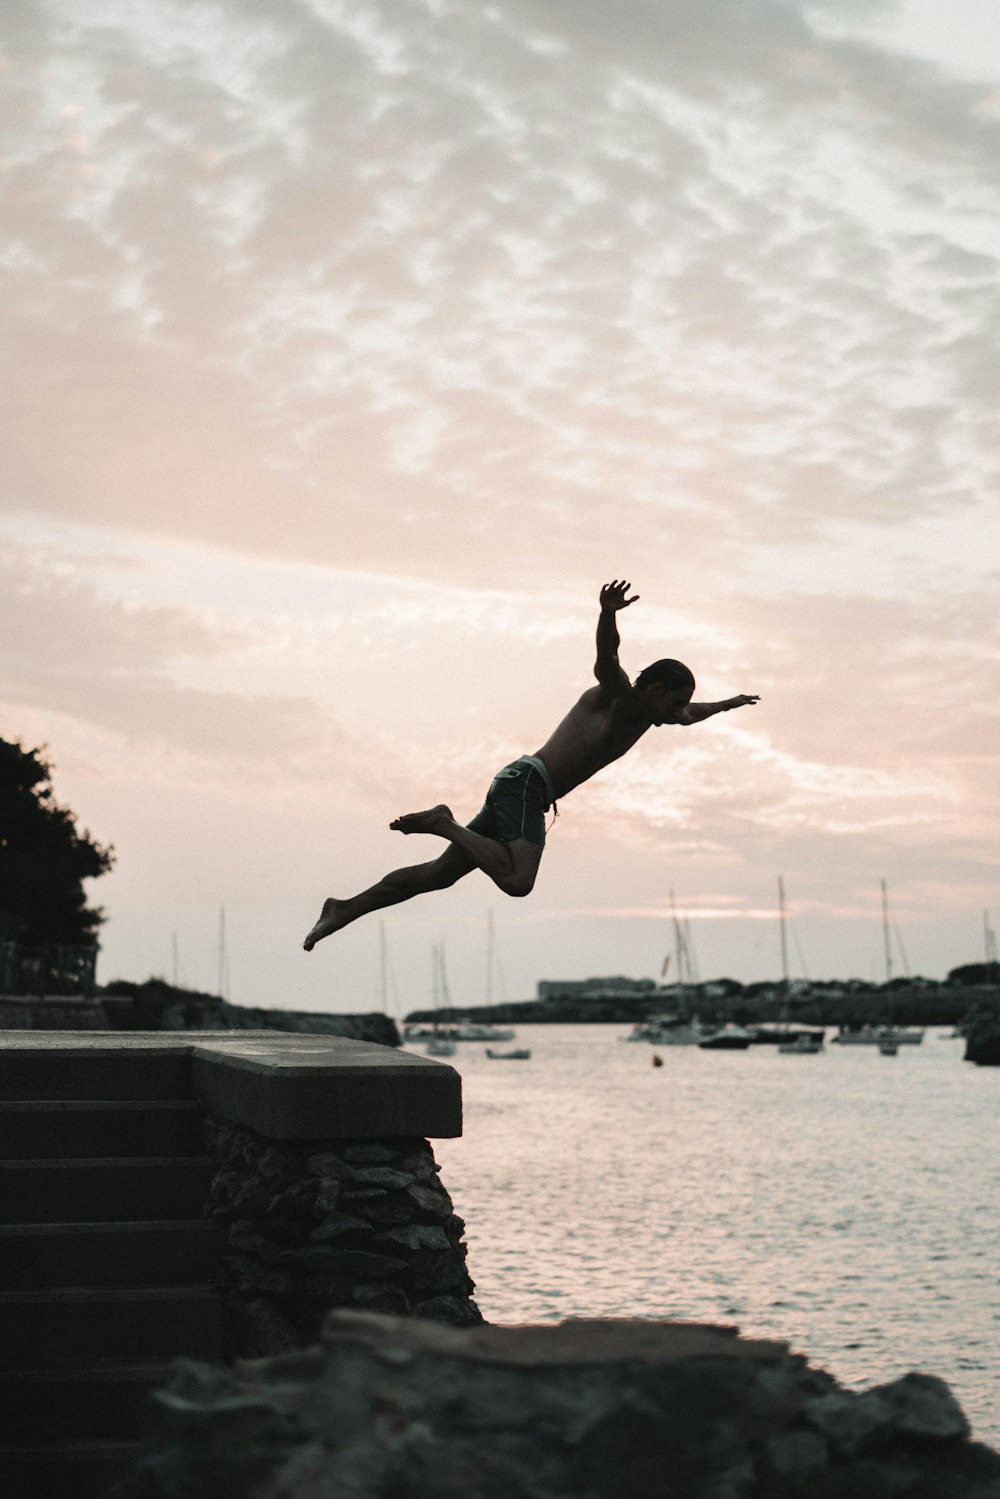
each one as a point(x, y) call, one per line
point(311, 1225)
point(398, 1408)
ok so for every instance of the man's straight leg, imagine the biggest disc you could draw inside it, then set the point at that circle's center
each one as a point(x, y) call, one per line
point(399, 885)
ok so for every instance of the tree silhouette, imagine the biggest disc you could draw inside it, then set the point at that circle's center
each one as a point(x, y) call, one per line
point(44, 859)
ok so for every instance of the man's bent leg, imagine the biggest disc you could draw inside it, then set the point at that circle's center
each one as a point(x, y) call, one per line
point(399, 885)
point(511, 866)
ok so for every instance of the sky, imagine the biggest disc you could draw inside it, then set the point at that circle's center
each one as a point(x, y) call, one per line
point(351, 345)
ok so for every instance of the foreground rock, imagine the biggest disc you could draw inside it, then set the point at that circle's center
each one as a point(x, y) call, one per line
point(391, 1408)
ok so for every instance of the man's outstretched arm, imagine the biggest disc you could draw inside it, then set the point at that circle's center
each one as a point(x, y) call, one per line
point(607, 668)
point(695, 712)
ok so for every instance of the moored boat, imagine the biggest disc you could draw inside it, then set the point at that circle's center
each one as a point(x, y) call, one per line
point(665, 1030)
point(727, 1037)
point(872, 1035)
point(805, 1045)
point(475, 1030)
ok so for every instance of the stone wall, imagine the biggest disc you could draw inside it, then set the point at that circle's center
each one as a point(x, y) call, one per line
point(312, 1224)
point(392, 1409)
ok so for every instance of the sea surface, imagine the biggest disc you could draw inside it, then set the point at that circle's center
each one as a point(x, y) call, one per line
point(847, 1203)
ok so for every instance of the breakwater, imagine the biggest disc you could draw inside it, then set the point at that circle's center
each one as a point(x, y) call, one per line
point(158, 1006)
point(943, 1004)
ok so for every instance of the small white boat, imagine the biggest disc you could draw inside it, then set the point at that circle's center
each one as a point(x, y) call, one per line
point(519, 1054)
point(474, 1030)
point(665, 1030)
point(872, 1035)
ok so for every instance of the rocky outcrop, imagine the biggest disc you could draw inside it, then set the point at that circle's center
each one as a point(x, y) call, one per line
point(386, 1408)
point(28, 1012)
point(158, 1006)
point(310, 1225)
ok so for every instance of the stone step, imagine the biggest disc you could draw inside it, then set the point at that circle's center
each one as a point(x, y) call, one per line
point(103, 1403)
point(73, 1470)
point(46, 1128)
point(43, 1329)
point(139, 1071)
point(180, 1253)
point(103, 1190)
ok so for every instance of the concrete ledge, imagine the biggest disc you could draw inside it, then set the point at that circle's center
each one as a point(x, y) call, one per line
point(326, 1087)
point(284, 1086)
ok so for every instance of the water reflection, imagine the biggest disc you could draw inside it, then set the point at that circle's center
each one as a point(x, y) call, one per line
point(843, 1202)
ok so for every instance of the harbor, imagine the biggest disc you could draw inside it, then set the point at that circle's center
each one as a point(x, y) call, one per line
point(849, 1206)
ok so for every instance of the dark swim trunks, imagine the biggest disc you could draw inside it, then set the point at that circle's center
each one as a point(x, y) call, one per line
point(516, 803)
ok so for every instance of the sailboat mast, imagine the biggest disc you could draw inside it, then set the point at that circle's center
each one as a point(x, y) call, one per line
point(784, 933)
point(678, 950)
point(435, 985)
point(223, 956)
point(489, 957)
point(885, 934)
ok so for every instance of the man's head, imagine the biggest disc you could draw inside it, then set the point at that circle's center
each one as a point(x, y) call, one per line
point(665, 688)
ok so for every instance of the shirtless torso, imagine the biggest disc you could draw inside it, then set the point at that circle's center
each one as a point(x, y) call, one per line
point(600, 727)
point(610, 718)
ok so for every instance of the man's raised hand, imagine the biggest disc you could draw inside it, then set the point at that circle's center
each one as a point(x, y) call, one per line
point(743, 701)
point(613, 596)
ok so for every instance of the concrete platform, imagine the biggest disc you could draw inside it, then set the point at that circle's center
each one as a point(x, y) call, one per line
point(284, 1085)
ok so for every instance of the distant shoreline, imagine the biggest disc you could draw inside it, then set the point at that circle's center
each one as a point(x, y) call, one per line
point(944, 1004)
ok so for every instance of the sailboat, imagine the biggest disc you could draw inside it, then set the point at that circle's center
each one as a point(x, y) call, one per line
point(676, 1028)
point(887, 1037)
point(893, 1036)
point(441, 1043)
point(800, 1043)
point(481, 1030)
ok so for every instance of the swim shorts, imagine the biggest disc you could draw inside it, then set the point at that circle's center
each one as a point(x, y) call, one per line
point(516, 803)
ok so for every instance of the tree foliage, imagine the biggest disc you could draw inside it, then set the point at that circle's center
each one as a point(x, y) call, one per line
point(975, 973)
point(44, 858)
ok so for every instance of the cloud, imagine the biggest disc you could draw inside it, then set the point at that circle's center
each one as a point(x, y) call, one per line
point(114, 666)
point(338, 283)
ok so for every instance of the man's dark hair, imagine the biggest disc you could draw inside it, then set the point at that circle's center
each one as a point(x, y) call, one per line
point(667, 674)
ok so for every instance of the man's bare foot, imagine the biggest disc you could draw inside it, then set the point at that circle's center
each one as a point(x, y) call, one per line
point(331, 919)
point(423, 822)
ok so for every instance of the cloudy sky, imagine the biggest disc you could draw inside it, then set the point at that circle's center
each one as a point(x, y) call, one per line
point(351, 345)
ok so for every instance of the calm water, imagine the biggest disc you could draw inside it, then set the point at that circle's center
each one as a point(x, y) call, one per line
point(847, 1202)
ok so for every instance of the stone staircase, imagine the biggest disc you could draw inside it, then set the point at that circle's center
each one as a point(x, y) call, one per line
point(107, 1267)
